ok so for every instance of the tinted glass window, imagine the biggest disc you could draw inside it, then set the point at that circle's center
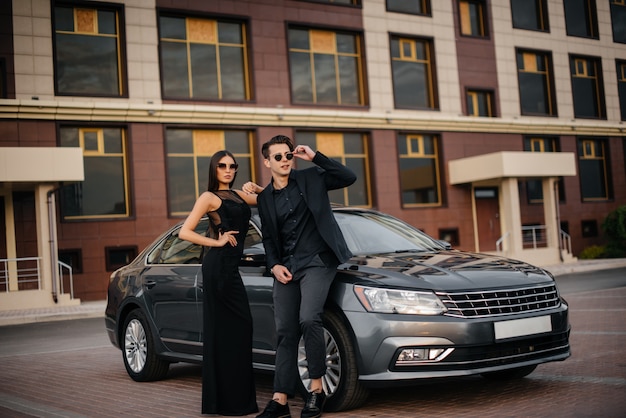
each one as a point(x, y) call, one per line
point(203, 59)
point(580, 18)
point(530, 14)
point(104, 191)
point(87, 55)
point(618, 20)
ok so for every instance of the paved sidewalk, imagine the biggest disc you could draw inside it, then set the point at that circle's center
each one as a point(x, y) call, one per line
point(94, 309)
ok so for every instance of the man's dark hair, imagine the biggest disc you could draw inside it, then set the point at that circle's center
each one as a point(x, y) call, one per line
point(278, 139)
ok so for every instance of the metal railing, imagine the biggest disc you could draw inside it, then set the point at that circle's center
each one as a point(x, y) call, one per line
point(62, 266)
point(534, 236)
point(27, 271)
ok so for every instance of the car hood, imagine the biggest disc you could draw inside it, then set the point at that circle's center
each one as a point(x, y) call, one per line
point(444, 270)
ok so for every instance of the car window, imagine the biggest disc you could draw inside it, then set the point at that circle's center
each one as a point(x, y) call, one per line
point(253, 239)
point(372, 233)
point(173, 250)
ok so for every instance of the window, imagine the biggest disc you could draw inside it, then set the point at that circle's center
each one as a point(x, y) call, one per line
point(480, 103)
point(618, 20)
point(117, 257)
point(420, 180)
point(342, 2)
point(534, 188)
point(203, 59)
point(73, 258)
point(450, 235)
point(581, 19)
point(621, 87)
point(593, 169)
point(530, 14)
point(326, 67)
point(589, 228)
point(413, 73)
point(473, 18)
point(3, 78)
point(416, 7)
point(173, 250)
point(351, 150)
point(189, 153)
point(88, 51)
point(105, 191)
point(536, 88)
point(587, 87)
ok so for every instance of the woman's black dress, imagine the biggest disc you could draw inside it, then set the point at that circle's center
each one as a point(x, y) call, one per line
point(227, 379)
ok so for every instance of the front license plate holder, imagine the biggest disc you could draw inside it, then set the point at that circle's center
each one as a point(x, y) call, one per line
point(522, 327)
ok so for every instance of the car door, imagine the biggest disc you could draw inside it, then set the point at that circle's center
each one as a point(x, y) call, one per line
point(259, 284)
point(172, 282)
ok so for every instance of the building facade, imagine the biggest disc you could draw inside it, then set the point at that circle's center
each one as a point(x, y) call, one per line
point(496, 125)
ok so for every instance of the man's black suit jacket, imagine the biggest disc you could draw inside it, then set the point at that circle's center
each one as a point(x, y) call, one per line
point(314, 184)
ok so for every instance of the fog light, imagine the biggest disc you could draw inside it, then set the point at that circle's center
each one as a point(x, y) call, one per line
point(412, 356)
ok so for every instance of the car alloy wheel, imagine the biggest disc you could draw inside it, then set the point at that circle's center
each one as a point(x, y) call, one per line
point(140, 358)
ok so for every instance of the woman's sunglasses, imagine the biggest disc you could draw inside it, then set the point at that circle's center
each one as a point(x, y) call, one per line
point(288, 156)
point(223, 166)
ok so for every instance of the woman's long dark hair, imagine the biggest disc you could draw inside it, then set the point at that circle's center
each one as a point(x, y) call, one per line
point(214, 184)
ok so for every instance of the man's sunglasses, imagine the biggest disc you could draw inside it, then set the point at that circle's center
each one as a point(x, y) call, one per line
point(223, 166)
point(288, 156)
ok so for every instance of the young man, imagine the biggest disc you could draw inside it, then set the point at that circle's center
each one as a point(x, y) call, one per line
point(304, 246)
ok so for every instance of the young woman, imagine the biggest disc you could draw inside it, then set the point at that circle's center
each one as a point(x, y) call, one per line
point(227, 378)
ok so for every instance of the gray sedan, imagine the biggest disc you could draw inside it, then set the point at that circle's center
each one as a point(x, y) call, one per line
point(405, 307)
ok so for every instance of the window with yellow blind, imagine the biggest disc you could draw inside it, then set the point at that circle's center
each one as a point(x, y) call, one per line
point(536, 85)
point(420, 178)
point(349, 148)
point(105, 191)
point(413, 73)
point(587, 87)
point(188, 154)
point(534, 188)
point(326, 67)
point(480, 103)
point(204, 59)
point(88, 51)
point(472, 15)
point(594, 170)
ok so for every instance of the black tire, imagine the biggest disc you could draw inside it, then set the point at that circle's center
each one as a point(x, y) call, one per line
point(510, 374)
point(341, 382)
point(138, 352)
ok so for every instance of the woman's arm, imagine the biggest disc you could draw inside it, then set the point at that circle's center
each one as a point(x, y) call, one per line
point(207, 202)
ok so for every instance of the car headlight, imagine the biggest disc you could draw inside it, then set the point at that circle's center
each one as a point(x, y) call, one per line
point(406, 302)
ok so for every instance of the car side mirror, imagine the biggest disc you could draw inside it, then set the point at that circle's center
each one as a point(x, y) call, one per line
point(444, 244)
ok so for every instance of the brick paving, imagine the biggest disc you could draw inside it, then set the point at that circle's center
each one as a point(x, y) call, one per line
point(93, 382)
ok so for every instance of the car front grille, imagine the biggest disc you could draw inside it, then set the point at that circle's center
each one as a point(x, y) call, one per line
point(500, 302)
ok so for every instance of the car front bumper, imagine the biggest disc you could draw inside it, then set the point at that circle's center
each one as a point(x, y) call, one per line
point(475, 350)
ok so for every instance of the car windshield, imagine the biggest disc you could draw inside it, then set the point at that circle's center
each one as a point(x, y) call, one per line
point(376, 233)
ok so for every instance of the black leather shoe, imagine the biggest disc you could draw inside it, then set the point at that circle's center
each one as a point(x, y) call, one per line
point(275, 410)
point(314, 405)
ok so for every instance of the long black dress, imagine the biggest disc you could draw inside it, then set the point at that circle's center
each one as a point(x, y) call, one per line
point(227, 379)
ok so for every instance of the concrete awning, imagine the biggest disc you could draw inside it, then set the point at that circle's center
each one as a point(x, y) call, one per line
point(41, 164)
point(512, 164)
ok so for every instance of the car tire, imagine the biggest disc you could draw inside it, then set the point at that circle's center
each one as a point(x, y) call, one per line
point(138, 350)
point(510, 374)
point(341, 382)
